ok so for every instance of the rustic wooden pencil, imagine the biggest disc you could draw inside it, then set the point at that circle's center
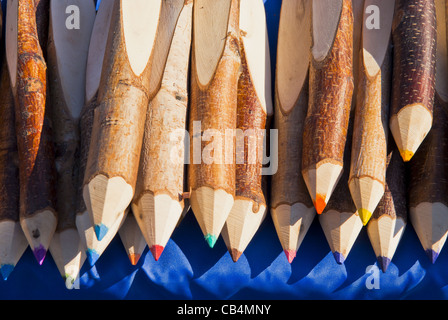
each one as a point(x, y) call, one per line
point(388, 222)
point(214, 85)
point(97, 47)
point(371, 127)
point(330, 97)
point(27, 69)
point(132, 238)
point(292, 209)
point(414, 36)
point(254, 107)
point(12, 242)
point(340, 220)
point(67, 59)
point(158, 201)
point(428, 174)
point(119, 119)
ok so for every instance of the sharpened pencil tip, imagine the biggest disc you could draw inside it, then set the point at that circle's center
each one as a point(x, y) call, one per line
point(432, 255)
point(100, 231)
point(134, 257)
point(5, 270)
point(235, 254)
point(156, 251)
point(211, 239)
point(69, 281)
point(406, 155)
point(92, 256)
point(290, 255)
point(383, 262)
point(320, 203)
point(39, 253)
point(365, 215)
point(339, 257)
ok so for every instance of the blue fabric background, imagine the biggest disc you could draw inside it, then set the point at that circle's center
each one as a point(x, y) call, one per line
point(189, 269)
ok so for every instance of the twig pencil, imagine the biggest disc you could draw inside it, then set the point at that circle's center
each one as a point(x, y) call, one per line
point(292, 209)
point(214, 84)
point(119, 118)
point(254, 107)
point(414, 36)
point(428, 174)
point(13, 242)
point(158, 201)
point(67, 58)
point(371, 127)
point(132, 238)
point(27, 69)
point(97, 47)
point(340, 220)
point(389, 219)
point(330, 96)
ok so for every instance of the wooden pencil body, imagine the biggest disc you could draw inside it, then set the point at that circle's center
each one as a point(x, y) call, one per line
point(370, 135)
point(214, 106)
point(389, 219)
point(119, 118)
point(292, 209)
point(330, 96)
point(393, 203)
point(94, 64)
point(414, 36)
point(132, 238)
point(9, 170)
point(339, 220)
point(254, 106)
point(28, 74)
point(66, 106)
point(67, 58)
point(251, 117)
point(35, 149)
point(13, 242)
point(428, 185)
point(158, 201)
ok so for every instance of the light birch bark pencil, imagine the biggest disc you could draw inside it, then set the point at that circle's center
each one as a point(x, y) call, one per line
point(132, 238)
point(371, 127)
point(214, 84)
point(97, 47)
point(119, 118)
point(330, 97)
point(158, 202)
point(340, 220)
point(254, 107)
point(292, 209)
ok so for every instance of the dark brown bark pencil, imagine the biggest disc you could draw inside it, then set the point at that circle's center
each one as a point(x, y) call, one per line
point(414, 33)
point(254, 105)
point(13, 242)
point(428, 185)
point(330, 97)
point(36, 155)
